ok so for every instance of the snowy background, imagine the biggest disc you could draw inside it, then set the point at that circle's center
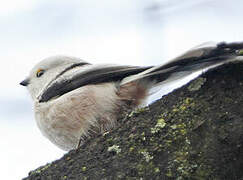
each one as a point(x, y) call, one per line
point(138, 32)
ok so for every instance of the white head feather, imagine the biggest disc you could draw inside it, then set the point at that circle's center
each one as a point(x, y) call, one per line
point(51, 67)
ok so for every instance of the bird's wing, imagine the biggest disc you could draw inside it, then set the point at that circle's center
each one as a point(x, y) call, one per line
point(84, 75)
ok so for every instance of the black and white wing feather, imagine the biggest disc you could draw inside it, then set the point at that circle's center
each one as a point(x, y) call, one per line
point(85, 75)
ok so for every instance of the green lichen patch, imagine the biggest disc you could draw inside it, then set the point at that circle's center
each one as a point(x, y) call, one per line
point(146, 155)
point(138, 111)
point(114, 148)
point(160, 125)
point(40, 169)
point(84, 168)
point(196, 84)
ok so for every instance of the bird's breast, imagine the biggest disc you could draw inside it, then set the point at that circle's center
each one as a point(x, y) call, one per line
point(79, 113)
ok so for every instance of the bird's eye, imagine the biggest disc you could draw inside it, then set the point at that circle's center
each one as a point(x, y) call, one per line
point(39, 72)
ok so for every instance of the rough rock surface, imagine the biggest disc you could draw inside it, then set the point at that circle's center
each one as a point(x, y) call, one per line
point(195, 132)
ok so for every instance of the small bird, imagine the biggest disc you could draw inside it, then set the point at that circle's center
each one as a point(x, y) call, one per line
point(74, 99)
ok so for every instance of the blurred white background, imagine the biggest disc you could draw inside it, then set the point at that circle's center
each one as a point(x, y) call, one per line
point(138, 32)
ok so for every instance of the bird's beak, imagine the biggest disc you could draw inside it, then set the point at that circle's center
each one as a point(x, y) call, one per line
point(24, 82)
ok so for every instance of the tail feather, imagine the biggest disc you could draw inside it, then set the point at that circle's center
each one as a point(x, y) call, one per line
point(202, 58)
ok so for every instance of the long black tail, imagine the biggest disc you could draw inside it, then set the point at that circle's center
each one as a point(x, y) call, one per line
point(201, 58)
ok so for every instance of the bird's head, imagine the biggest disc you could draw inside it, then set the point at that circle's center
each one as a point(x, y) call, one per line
point(47, 71)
